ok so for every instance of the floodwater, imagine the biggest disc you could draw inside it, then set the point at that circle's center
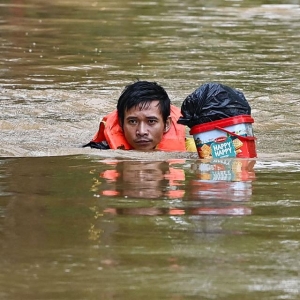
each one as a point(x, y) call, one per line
point(87, 224)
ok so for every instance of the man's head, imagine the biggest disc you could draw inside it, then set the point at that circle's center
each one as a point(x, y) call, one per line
point(144, 114)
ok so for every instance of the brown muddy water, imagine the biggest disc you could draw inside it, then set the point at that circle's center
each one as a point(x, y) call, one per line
point(86, 224)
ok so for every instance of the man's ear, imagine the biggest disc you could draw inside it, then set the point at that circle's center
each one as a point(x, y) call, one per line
point(120, 123)
point(168, 124)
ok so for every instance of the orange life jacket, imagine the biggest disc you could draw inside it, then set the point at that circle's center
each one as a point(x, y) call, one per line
point(111, 132)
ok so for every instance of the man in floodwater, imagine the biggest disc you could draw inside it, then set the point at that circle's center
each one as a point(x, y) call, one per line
point(144, 120)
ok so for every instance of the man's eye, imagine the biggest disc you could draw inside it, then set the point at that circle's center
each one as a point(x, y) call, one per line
point(132, 122)
point(151, 122)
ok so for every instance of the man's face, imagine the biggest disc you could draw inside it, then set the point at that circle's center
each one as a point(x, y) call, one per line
point(144, 128)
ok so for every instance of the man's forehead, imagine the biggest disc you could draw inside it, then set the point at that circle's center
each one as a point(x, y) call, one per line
point(147, 105)
point(144, 108)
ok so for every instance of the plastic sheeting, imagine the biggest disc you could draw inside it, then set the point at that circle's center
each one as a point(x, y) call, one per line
point(211, 102)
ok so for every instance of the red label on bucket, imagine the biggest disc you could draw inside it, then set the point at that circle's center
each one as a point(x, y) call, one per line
point(220, 139)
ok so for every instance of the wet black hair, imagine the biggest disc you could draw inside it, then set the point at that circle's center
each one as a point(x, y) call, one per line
point(140, 94)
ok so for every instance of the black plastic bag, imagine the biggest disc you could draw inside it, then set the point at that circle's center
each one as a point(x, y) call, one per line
point(211, 102)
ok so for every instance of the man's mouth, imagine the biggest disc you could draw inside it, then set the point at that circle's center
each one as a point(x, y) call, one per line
point(143, 141)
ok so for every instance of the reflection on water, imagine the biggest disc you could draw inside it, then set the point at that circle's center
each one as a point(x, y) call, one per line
point(144, 180)
point(218, 183)
point(78, 227)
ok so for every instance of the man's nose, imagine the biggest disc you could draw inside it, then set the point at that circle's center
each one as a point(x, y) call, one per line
point(142, 129)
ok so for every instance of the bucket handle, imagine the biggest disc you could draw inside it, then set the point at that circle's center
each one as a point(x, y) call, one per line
point(249, 138)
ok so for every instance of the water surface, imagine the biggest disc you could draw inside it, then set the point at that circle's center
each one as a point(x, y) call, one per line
point(85, 228)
